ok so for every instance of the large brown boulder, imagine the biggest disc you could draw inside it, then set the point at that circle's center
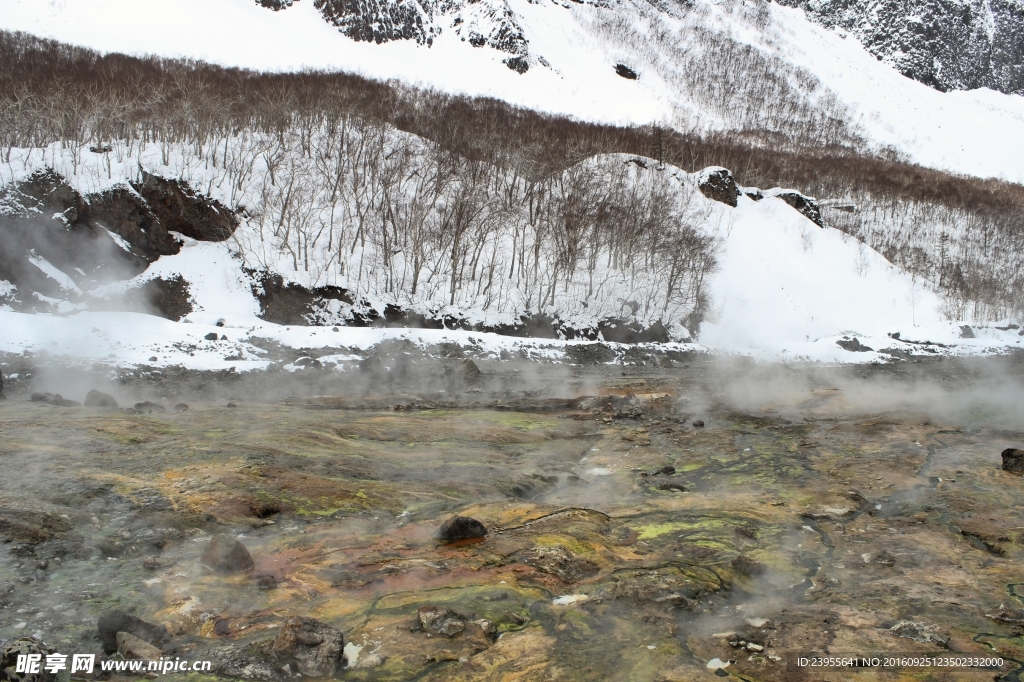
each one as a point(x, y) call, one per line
point(314, 648)
point(225, 554)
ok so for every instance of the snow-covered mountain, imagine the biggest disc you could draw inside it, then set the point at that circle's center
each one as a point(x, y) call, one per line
point(947, 44)
point(700, 65)
point(331, 218)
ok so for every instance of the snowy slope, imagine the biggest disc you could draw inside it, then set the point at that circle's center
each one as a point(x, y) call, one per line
point(787, 289)
point(979, 133)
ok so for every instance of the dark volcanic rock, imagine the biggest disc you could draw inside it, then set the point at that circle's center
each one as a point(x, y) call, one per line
point(807, 206)
point(1013, 460)
point(460, 528)
point(314, 647)
point(179, 208)
point(97, 399)
point(112, 622)
point(717, 183)
point(672, 485)
point(225, 554)
point(55, 399)
point(853, 345)
point(625, 72)
point(212, 336)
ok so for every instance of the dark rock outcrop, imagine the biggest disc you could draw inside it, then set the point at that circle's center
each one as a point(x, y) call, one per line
point(947, 45)
point(1013, 460)
point(101, 238)
point(717, 184)
point(460, 528)
point(625, 72)
point(853, 345)
point(225, 554)
point(97, 399)
point(112, 622)
point(314, 648)
point(807, 206)
point(149, 407)
point(179, 208)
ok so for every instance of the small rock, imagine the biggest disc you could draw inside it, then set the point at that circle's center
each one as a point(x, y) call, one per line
point(112, 622)
point(151, 562)
point(153, 358)
point(1013, 460)
point(303, 361)
point(266, 582)
point(149, 407)
point(374, 660)
point(96, 399)
point(489, 628)
point(129, 410)
point(212, 336)
point(666, 470)
point(181, 407)
point(625, 72)
point(440, 620)
point(698, 424)
point(133, 648)
point(505, 355)
point(676, 486)
point(314, 647)
point(232, 404)
point(460, 528)
point(221, 322)
point(754, 647)
point(225, 554)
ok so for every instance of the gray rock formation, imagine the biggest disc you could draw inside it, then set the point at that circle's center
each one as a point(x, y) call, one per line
point(947, 44)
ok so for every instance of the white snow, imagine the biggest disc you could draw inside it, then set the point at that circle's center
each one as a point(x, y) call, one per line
point(54, 273)
point(979, 133)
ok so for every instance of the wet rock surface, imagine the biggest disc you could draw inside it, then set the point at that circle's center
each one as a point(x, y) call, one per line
point(111, 623)
point(312, 647)
point(226, 554)
point(809, 523)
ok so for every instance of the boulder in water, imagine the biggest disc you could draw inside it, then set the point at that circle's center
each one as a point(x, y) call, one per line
point(225, 554)
point(112, 622)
